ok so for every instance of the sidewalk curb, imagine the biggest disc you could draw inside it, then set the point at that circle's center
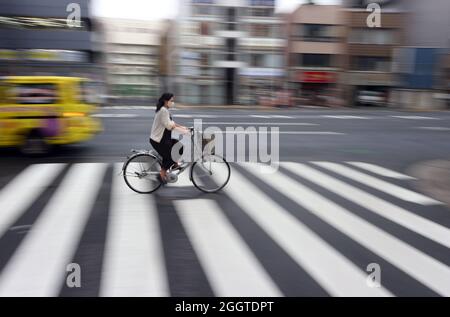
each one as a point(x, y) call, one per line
point(433, 178)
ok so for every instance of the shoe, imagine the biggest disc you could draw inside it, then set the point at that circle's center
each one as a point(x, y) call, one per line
point(178, 166)
point(184, 164)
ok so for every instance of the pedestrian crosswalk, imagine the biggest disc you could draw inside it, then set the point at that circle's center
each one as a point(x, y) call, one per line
point(231, 267)
point(305, 228)
point(133, 265)
point(381, 170)
point(38, 265)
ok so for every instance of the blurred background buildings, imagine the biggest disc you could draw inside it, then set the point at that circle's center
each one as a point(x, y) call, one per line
point(36, 39)
point(225, 52)
point(315, 53)
point(230, 52)
point(131, 57)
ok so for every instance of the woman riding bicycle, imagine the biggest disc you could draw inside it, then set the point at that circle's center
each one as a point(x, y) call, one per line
point(161, 135)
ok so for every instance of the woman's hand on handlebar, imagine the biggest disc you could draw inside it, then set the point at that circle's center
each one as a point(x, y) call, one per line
point(183, 130)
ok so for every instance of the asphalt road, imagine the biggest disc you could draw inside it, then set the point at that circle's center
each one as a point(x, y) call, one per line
point(340, 204)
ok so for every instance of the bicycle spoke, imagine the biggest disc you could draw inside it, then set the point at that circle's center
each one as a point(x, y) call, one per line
point(141, 174)
point(205, 176)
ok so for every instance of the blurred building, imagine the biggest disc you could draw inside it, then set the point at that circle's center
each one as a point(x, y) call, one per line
point(132, 57)
point(315, 52)
point(422, 65)
point(229, 51)
point(35, 38)
point(369, 53)
point(408, 53)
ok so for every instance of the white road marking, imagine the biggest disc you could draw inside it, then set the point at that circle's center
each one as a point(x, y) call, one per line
point(403, 217)
point(415, 118)
point(134, 258)
point(283, 132)
point(333, 271)
point(434, 128)
point(30, 184)
point(388, 188)
point(231, 267)
point(381, 170)
point(346, 117)
point(115, 115)
point(417, 264)
point(237, 123)
point(38, 267)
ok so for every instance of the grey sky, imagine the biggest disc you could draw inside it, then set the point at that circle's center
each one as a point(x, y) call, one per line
point(153, 9)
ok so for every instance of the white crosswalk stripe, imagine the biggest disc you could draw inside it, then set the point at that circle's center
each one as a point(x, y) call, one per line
point(30, 184)
point(133, 256)
point(134, 262)
point(427, 270)
point(312, 253)
point(229, 264)
point(38, 268)
point(391, 189)
point(409, 220)
point(382, 171)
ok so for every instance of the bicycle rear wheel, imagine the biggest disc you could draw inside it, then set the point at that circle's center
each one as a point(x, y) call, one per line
point(211, 173)
point(141, 174)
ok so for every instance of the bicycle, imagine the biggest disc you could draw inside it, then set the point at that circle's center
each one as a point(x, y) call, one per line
point(143, 169)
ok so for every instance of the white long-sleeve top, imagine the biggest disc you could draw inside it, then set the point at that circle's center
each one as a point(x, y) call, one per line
point(161, 122)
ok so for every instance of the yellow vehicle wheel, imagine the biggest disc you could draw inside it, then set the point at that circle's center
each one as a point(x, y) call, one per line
point(35, 145)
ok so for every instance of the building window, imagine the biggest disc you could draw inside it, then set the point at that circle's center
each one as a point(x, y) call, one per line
point(231, 49)
point(204, 28)
point(202, 10)
point(231, 15)
point(264, 30)
point(204, 59)
point(372, 36)
point(314, 60)
point(42, 23)
point(259, 30)
point(261, 12)
point(314, 32)
point(264, 60)
point(257, 60)
point(274, 60)
point(371, 63)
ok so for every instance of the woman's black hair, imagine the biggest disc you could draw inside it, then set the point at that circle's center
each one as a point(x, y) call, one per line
point(165, 97)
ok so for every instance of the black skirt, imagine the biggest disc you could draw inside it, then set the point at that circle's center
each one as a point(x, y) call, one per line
point(164, 148)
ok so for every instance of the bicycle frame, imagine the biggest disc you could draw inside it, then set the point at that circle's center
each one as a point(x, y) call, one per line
point(197, 158)
point(154, 154)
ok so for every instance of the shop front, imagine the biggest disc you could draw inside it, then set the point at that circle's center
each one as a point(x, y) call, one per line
point(370, 88)
point(259, 85)
point(315, 87)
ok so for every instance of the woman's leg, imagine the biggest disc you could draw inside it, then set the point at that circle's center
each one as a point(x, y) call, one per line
point(160, 148)
point(166, 153)
point(177, 149)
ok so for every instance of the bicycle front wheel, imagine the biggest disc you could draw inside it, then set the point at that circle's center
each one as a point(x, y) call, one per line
point(141, 174)
point(211, 173)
